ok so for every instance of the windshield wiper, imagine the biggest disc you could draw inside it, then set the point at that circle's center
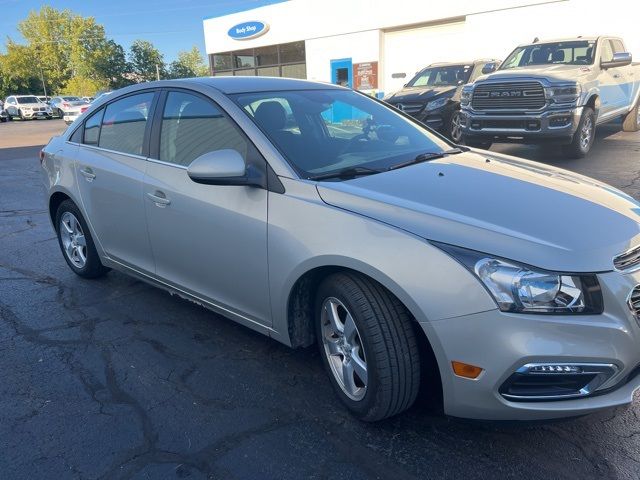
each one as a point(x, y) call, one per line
point(347, 173)
point(425, 157)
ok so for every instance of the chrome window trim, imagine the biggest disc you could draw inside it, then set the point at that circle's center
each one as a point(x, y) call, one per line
point(92, 147)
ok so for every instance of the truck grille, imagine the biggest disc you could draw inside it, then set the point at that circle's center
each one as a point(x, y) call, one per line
point(634, 302)
point(508, 96)
point(629, 260)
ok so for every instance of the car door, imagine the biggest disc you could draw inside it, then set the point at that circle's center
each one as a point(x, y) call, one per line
point(110, 170)
point(612, 96)
point(10, 107)
point(625, 76)
point(207, 240)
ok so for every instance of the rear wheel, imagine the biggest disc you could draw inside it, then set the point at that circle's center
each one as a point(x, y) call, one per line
point(367, 345)
point(585, 135)
point(76, 243)
point(631, 122)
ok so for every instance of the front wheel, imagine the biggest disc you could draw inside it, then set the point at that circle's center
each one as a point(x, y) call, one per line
point(585, 135)
point(455, 128)
point(21, 115)
point(367, 345)
point(76, 243)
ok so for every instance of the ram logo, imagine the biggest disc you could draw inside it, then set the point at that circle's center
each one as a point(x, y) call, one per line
point(512, 93)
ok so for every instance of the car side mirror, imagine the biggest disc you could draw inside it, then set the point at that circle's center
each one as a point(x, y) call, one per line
point(620, 59)
point(489, 68)
point(220, 167)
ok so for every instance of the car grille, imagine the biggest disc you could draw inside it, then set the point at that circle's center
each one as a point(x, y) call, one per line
point(511, 96)
point(634, 302)
point(409, 108)
point(629, 260)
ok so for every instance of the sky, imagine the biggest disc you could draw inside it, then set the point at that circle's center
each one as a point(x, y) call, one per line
point(171, 25)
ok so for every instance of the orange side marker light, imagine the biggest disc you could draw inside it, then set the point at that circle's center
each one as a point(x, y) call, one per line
point(465, 370)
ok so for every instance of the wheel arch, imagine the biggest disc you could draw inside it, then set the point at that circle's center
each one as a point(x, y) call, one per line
point(55, 200)
point(593, 101)
point(301, 318)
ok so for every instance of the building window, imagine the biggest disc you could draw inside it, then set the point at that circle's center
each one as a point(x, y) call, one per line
point(284, 60)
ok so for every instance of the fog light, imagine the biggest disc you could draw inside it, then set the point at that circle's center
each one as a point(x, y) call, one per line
point(465, 370)
point(555, 369)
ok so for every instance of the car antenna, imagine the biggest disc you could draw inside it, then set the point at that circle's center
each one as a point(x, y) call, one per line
point(536, 40)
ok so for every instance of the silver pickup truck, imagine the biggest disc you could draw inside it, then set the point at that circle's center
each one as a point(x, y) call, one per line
point(554, 91)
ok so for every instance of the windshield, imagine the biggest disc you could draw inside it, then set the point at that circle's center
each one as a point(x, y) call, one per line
point(579, 52)
point(446, 76)
point(28, 100)
point(322, 131)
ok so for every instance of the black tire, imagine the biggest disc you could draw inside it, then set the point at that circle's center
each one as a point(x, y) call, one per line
point(385, 333)
point(631, 122)
point(21, 115)
point(455, 130)
point(93, 267)
point(473, 143)
point(577, 148)
point(60, 113)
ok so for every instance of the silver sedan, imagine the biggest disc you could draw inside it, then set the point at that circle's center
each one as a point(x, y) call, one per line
point(316, 214)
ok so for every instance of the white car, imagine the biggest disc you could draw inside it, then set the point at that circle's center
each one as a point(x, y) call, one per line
point(26, 107)
point(62, 105)
point(73, 112)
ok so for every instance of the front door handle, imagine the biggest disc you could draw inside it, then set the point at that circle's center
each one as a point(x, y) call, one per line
point(159, 198)
point(616, 75)
point(88, 174)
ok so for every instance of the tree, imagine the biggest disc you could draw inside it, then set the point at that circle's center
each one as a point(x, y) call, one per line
point(188, 64)
point(70, 51)
point(146, 60)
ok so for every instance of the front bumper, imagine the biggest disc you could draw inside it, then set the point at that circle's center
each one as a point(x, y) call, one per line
point(501, 343)
point(39, 114)
point(555, 125)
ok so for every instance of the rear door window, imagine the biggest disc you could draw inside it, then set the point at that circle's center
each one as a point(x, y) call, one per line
point(124, 124)
point(92, 128)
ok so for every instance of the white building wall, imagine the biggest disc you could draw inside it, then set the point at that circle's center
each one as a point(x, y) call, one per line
point(361, 47)
point(336, 29)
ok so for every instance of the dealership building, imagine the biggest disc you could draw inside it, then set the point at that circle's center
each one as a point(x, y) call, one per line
point(378, 45)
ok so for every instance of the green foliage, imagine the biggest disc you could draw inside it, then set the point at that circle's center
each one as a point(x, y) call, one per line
point(73, 55)
point(188, 64)
point(146, 61)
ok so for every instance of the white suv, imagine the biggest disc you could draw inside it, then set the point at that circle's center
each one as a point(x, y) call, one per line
point(26, 107)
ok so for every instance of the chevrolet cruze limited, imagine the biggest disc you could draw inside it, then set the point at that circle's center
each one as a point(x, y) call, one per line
point(316, 214)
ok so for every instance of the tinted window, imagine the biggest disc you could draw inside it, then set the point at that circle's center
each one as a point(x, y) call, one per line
point(92, 128)
point(193, 126)
point(442, 76)
point(124, 124)
point(77, 136)
point(325, 131)
point(28, 100)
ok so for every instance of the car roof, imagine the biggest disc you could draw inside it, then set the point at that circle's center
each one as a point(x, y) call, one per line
point(567, 39)
point(230, 85)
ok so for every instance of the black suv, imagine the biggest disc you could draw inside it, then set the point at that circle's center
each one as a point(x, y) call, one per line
point(433, 95)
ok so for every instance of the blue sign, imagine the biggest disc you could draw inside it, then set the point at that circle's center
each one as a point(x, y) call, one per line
point(248, 30)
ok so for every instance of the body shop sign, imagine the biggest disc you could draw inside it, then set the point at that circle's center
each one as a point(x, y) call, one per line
point(365, 75)
point(248, 30)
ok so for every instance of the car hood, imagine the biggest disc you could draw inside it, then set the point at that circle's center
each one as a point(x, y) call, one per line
point(555, 73)
point(508, 207)
point(419, 94)
point(32, 105)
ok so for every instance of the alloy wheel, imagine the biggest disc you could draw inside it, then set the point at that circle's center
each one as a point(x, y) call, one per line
point(456, 127)
point(586, 133)
point(344, 349)
point(73, 240)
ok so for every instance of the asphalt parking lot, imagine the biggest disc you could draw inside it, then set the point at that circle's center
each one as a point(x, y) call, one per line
point(113, 378)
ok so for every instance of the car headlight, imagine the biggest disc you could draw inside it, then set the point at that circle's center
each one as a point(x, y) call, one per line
point(440, 102)
point(465, 96)
point(519, 288)
point(564, 94)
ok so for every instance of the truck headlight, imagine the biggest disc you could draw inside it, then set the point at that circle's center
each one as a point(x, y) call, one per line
point(564, 94)
point(440, 102)
point(520, 288)
point(465, 96)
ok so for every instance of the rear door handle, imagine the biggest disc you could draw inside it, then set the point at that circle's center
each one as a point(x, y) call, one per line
point(159, 198)
point(88, 174)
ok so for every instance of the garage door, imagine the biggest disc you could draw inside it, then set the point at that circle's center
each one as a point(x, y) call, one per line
point(408, 51)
